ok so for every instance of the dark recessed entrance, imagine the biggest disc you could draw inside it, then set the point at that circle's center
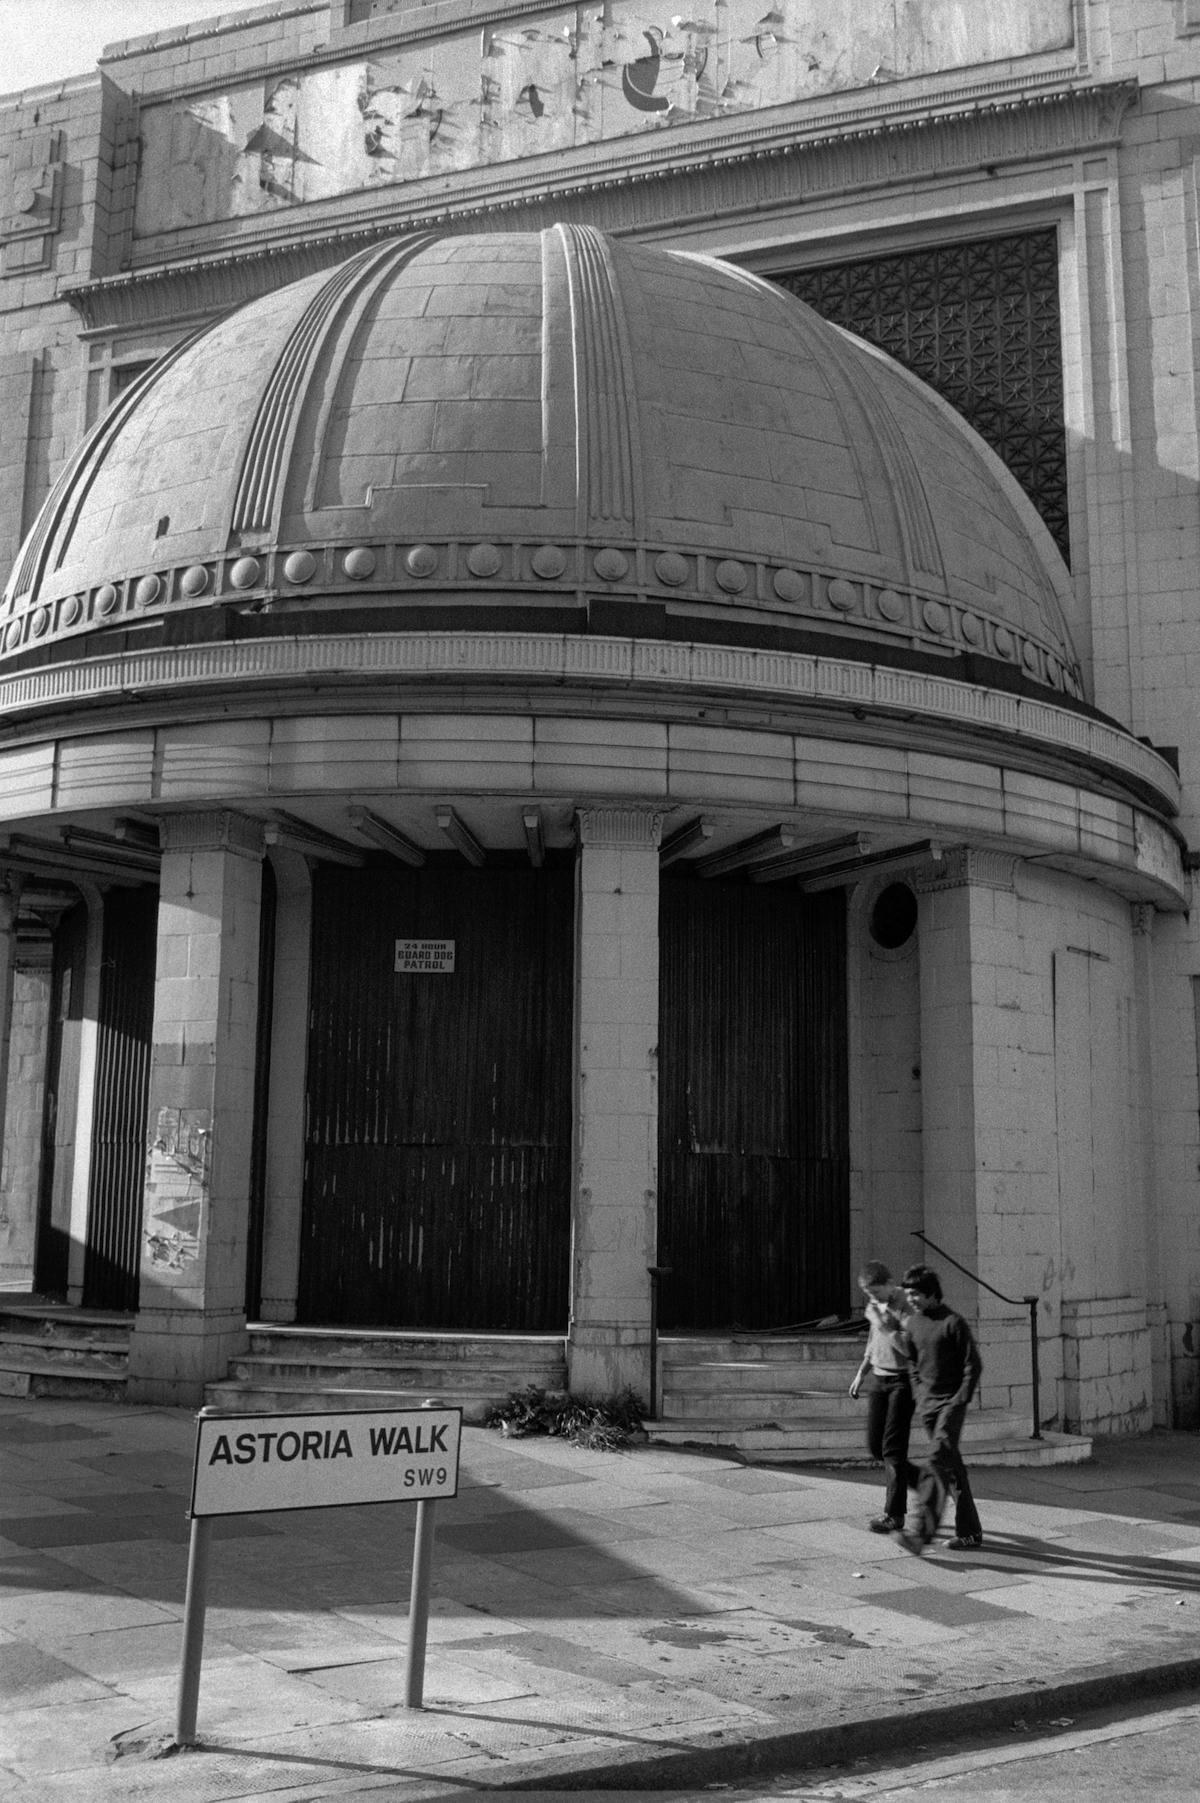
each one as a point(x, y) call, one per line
point(438, 1150)
point(753, 1122)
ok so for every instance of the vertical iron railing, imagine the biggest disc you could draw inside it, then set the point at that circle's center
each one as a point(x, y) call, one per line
point(1029, 1302)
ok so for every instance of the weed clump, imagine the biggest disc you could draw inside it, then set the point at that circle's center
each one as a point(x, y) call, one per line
point(604, 1424)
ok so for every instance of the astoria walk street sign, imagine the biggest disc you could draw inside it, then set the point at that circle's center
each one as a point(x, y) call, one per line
point(251, 1463)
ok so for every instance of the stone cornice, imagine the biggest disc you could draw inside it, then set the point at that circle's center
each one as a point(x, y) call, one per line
point(753, 164)
point(880, 701)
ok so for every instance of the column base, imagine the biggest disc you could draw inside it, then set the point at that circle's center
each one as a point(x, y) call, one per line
point(604, 1358)
point(279, 1309)
point(173, 1353)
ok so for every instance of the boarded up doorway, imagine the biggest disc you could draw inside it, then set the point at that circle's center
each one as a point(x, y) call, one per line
point(753, 1116)
point(438, 1149)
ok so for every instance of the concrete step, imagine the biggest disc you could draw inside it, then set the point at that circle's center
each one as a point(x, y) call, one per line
point(340, 1374)
point(700, 1349)
point(729, 1376)
point(52, 1349)
point(254, 1398)
point(993, 1438)
point(19, 1349)
point(774, 1404)
point(521, 1352)
point(81, 1381)
point(63, 1325)
point(296, 1368)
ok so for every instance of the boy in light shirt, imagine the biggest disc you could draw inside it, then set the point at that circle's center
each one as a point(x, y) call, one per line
point(884, 1375)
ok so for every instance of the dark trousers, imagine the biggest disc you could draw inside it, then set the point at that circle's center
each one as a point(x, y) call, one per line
point(944, 1471)
point(889, 1419)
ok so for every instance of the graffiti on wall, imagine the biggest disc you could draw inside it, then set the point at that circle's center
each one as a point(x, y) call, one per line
point(546, 82)
point(178, 1171)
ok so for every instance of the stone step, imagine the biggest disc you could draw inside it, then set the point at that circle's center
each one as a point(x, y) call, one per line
point(698, 1349)
point(62, 1325)
point(519, 1352)
point(759, 1405)
point(18, 1351)
point(81, 1381)
point(728, 1376)
point(999, 1439)
point(339, 1374)
point(253, 1398)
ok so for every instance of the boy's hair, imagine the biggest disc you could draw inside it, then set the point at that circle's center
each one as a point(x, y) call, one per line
point(874, 1272)
point(924, 1280)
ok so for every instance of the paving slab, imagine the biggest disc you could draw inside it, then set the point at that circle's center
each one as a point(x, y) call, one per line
point(619, 1621)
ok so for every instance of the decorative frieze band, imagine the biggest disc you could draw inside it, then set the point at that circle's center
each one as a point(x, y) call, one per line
point(963, 865)
point(390, 575)
point(740, 168)
point(181, 675)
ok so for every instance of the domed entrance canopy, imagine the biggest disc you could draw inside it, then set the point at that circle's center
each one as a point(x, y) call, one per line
point(552, 432)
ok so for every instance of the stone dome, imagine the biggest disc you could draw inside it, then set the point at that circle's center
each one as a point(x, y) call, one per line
point(555, 432)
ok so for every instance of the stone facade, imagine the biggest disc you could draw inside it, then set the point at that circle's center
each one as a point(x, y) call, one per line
point(1023, 1081)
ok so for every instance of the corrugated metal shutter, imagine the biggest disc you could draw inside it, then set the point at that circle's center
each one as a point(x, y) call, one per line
point(753, 1122)
point(110, 1275)
point(438, 1144)
point(262, 1092)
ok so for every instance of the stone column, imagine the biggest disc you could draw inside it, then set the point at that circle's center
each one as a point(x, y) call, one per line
point(285, 1127)
point(191, 1308)
point(10, 898)
point(987, 1082)
point(86, 1031)
point(615, 1186)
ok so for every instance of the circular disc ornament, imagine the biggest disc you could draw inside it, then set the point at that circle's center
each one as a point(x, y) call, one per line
point(245, 572)
point(935, 617)
point(611, 564)
point(421, 560)
point(484, 560)
point(548, 561)
point(300, 566)
point(791, 585)
point(194, 581)
point(359, 563)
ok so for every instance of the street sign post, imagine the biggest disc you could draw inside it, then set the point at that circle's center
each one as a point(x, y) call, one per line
point(246, 1464)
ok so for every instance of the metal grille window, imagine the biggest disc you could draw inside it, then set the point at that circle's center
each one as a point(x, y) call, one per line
point(979, 322)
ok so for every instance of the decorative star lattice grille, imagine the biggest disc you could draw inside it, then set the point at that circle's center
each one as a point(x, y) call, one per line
point(978, 321)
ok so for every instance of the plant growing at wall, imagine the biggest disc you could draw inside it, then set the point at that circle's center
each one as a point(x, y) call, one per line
point(603, 1424)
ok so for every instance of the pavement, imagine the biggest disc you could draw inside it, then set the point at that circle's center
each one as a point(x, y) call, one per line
point(653, 1619)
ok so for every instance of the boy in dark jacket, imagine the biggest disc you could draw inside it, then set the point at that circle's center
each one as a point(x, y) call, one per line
point(946, 1366)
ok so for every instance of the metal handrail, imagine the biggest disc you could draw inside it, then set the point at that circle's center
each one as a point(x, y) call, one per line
point(1030, 1302)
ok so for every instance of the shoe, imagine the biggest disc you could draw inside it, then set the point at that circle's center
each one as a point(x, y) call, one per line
point(912, 1543)
point(884, 1524)
point(964, 1543)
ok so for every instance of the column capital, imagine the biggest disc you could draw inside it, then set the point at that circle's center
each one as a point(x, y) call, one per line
point(214, 829)
point(11, 883)
point(1141, 915)
point(963, 866)
point(620, 826)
